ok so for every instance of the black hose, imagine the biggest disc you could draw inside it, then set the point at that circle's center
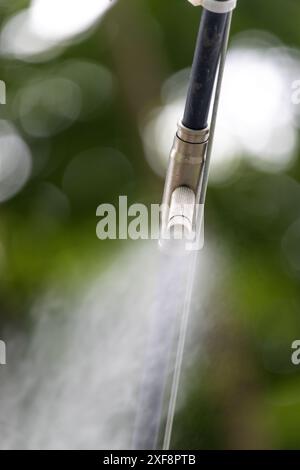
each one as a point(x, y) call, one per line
point(204, 69)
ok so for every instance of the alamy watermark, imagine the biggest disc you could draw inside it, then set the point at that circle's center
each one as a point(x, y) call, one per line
point(140, 222)
point(2, 353)
point(295, 357)
point(2, 92)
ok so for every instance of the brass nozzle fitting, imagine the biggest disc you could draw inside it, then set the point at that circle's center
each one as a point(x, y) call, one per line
point(184, 171)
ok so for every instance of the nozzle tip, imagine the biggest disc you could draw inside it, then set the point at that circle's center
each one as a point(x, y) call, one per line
point(178, 225)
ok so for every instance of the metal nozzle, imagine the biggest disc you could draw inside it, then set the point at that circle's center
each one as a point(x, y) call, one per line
point(181, 213)
point(183, 179)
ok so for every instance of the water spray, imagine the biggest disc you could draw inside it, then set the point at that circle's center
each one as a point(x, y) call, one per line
point(184, 193)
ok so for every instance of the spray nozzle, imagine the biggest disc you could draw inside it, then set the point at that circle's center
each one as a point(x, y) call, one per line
point(181, 213)
point(178, 221)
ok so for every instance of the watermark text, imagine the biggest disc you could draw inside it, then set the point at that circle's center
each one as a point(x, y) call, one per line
point(2, 353)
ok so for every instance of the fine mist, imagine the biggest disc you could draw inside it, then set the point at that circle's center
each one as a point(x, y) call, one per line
point(74, 381)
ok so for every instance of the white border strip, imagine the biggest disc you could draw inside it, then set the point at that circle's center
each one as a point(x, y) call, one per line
point(216, 6)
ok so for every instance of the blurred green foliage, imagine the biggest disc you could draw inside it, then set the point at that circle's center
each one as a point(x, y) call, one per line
point(248, 396)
